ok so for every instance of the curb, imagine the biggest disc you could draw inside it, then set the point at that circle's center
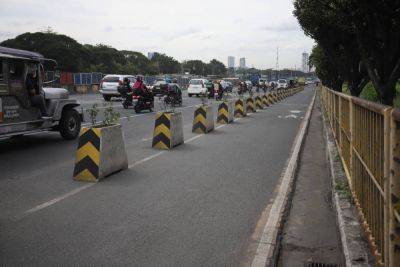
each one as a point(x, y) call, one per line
point(269, 241)
point(354, 243)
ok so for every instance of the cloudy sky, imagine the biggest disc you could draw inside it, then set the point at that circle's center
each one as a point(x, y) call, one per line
point(184, 29)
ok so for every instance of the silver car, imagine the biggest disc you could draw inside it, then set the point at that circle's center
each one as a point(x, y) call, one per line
point(109, 85)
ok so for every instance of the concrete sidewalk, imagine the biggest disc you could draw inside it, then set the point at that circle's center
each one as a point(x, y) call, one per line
point(310, 233)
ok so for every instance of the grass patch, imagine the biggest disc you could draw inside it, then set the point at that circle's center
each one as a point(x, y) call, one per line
point(342, 187)
point(370, 94)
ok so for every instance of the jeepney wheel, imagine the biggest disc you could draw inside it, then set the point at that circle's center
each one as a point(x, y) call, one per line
point(70, 124)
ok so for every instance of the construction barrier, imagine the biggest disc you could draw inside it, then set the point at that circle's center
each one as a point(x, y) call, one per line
point(240, 108)
point(101, 152)
point(250, 105)
point(168, 130)
point(203, 121)
point(225, 112)
point(259, 102)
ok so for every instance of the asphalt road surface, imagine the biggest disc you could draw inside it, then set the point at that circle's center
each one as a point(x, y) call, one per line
point(195, 205)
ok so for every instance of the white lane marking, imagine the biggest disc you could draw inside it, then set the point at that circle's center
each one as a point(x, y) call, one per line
point(79, 189)
point(295, 111)
point(57, 199)
point(145, 159)
point(291, 116)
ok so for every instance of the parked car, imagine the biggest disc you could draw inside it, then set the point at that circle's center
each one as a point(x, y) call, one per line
point(23, 112)
point(282, 83)
point(109, 85)
point(197, 87)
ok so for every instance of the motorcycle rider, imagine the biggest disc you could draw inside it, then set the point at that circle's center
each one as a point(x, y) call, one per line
point(221, 90)
point(142, 91)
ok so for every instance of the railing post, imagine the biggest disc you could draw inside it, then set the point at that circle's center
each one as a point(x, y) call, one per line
point(386, 185)
point(394, 203)
point(351, 136)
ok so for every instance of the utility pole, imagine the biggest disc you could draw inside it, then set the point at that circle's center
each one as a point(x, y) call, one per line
point(277, 62)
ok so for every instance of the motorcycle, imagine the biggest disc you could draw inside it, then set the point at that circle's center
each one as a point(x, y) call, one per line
point(143, 104)
point(139, 103)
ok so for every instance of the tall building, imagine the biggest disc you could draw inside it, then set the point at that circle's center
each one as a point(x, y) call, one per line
point(242, 63)
point(304, 62)
point(150, 55)
point(231, 62)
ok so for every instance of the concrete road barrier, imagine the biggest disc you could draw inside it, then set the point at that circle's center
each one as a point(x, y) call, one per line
point(101, 152)
point(265, 100)
point(203, 121)
point(225, 112)
point(240, 108)
point(168, 130)
point(250, 105)
point(259, 102)
point(270, 99)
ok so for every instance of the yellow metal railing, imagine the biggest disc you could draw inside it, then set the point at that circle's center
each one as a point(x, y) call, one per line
point(367, 135)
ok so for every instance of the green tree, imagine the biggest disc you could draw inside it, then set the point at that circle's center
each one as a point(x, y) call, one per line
point(376, 24)
point(69, 54)
point(337, 44)
point(165, 64)
point(216, 67)
point(139, 62)
point(196, 67)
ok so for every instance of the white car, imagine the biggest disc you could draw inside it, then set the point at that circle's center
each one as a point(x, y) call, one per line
point(262, 82)
point(109, 85)
point(249, 84)
point(309, 81)
point(197, 87)
point(282, 83)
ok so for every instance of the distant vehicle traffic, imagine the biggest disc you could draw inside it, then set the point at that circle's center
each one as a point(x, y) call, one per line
point(262, 82)
point(227, 86)
point(160, 87)
point(109, 85)
point(249, 84)
point(282, 83)
point(197, 87)
point(173, 96)
point(309, 81)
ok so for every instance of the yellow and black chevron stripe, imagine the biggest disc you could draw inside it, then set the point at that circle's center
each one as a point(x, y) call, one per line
point(275, 95)
point(162, 131)
point(88, 155)
point(271, 99)
point(265, 100)
point(250, 105)
point(259, 104)
point(223, 113)
point(239, 109)
point(200, 120)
